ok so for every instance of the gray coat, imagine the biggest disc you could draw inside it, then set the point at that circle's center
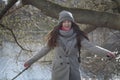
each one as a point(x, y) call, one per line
point(65, 62)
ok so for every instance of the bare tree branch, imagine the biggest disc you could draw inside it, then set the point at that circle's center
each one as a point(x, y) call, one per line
point(14, 37)
point(17, 56)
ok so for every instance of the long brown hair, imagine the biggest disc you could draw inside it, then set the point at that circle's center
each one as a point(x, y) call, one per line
point(53, 35)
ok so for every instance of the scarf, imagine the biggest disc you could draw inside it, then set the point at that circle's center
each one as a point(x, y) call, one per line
point(67, 39)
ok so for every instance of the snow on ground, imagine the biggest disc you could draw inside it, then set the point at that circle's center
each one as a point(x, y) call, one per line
point(10, 65)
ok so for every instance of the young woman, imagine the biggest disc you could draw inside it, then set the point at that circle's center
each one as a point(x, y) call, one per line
point(66, 39)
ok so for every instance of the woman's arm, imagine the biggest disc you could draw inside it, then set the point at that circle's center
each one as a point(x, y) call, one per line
point(44, 50)
point(95, 49)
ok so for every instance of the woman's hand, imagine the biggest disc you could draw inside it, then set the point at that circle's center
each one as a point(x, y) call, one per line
point(26, 65)
point(111, 55)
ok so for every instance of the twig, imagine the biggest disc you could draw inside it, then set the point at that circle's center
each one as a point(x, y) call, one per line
point(14, 37)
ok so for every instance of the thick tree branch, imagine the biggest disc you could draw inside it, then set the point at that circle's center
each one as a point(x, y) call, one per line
point(7, 7)
point(14, 10)
point(101, 19)
point(89, 28)
point(118, 5)
point(117, 2)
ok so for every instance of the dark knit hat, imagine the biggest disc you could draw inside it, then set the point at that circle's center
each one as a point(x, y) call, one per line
point(65, 15)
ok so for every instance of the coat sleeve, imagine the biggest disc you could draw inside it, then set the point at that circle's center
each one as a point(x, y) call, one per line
point(94, 48)
point(44, 50)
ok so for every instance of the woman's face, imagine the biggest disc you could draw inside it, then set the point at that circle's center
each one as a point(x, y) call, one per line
point(66, 24)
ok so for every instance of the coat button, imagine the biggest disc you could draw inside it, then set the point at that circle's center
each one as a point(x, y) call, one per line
point(60, 56)
point(68, 63)
point(61, 63)
point(66, 56)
